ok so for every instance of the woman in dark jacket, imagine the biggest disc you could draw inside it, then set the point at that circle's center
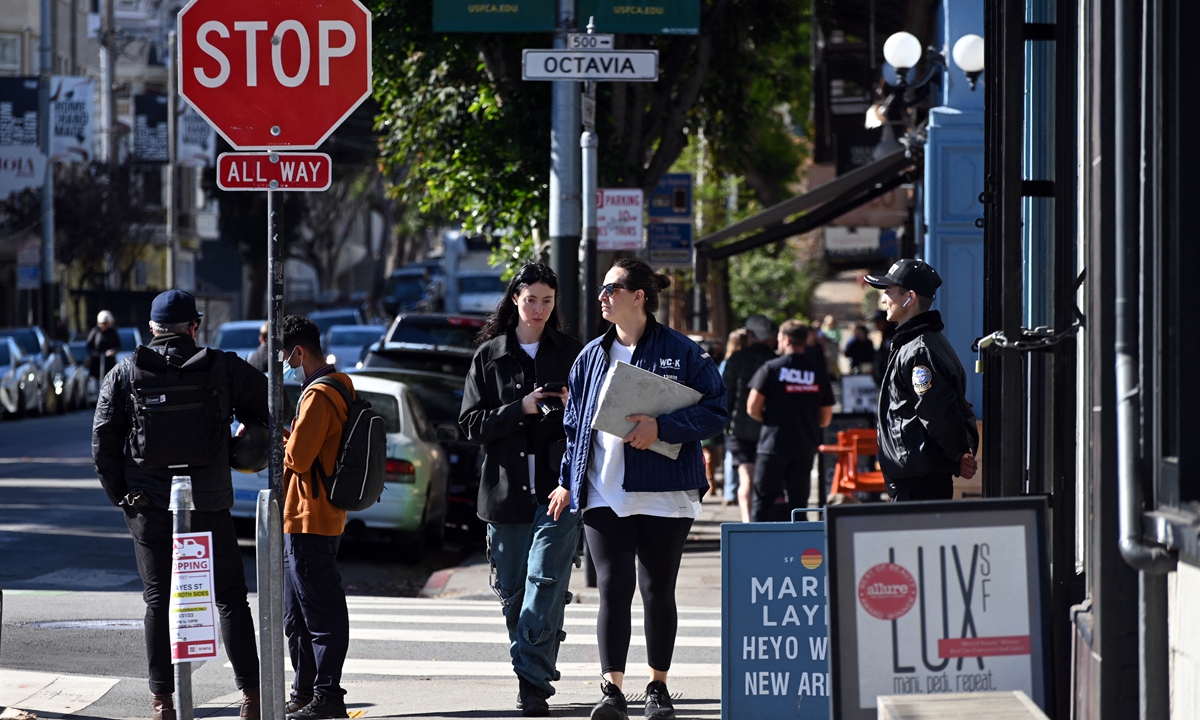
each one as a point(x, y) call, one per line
point(103, 343)
point(637, 505)
point(513, 406)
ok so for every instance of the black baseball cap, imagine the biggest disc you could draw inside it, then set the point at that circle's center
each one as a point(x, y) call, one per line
point(174, 306)
point(916, 275)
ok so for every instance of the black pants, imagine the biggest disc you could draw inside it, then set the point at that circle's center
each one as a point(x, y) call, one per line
point(773, 473)
point(151, 529)
point(925, 487)
point(315, 618)
point(636, 551)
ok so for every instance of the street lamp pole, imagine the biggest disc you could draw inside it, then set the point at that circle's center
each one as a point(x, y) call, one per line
point(565, 180)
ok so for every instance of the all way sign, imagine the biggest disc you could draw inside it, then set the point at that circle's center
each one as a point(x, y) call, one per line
point(627, 65)
point(310, 172)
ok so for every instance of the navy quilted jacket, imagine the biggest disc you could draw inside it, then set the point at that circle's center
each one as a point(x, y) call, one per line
point(665, 352)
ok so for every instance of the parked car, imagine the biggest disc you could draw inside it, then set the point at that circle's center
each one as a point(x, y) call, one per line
point(407, 289)
point(442, 359)
point(71, 384)
point(412, 512)
point(435, 329)
point(480, 293)
point(344, 344)
point(36, 347)
point(325, 319)
point(79, 350)
point(131, 337)
point(19, 391)
point(239, 336)
point(441, 395)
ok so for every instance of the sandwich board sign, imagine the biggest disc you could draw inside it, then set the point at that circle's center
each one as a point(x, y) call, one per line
point(774, 633)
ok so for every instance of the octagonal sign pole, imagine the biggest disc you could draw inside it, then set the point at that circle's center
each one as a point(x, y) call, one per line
point(274, 75)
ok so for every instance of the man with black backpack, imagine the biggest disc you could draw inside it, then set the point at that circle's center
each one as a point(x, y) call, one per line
point(315, 617)
point(166, 411)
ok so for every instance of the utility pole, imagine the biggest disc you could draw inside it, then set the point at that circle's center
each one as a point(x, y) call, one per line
point(49, 296)
point(590, 143)
point(108, 67)
point(564, 180)
point(172, 158)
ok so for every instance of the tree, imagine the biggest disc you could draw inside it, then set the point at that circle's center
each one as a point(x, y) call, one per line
point(466, 140)
point(102, 222)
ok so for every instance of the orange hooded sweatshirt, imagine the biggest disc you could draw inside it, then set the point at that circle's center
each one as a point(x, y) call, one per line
point(316, 435)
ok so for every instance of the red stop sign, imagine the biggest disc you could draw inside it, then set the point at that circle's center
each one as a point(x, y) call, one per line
point(275, 74)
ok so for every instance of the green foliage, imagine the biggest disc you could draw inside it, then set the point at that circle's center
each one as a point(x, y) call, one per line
point(777, 281)
point(465, 140)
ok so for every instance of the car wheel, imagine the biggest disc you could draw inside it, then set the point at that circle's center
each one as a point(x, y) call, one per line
point(435, 529)
point(409, 548)
point(20, 413)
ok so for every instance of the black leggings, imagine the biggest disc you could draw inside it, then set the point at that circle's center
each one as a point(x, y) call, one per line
point(657, 545)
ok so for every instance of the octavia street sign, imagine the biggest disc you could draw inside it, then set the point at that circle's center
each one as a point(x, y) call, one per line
point(275, 74)
point(309, 172)
point(627, 65)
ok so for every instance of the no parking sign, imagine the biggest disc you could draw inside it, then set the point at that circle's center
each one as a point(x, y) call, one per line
point(192, 606)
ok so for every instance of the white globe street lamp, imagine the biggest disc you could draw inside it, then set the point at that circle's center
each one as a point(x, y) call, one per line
point(902, 51)
point(968, 54)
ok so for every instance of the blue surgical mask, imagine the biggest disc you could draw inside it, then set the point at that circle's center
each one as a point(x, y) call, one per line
point(291, 374)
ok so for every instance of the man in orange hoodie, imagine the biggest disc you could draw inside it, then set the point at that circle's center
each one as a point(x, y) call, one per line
point(315, 618)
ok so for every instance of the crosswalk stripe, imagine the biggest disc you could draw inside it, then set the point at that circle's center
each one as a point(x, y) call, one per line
point(371, 602)
point(439, 668)
point(454, 636)
point(495, 619)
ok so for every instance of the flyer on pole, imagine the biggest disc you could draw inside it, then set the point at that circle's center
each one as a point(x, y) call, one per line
point(192, 607)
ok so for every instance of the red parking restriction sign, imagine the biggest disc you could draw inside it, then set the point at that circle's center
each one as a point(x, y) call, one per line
point(192, 606)
point(274, 74)
point(310, 172)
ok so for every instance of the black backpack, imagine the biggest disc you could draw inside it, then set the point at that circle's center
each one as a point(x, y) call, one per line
point(356, 482)
point(180, 412)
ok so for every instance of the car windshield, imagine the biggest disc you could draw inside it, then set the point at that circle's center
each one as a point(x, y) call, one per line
point(490, 284)
point(325, 321)
point(460, 333)
point(427, 361)
point(5, 356)
point(129, 339)
point(441, 396)
point(234, 338)
point(386, 405)
point(357, 336)
point(26, 338)
point(404, 289)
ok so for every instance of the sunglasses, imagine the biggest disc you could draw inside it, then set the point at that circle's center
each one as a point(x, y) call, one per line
point(611, 288)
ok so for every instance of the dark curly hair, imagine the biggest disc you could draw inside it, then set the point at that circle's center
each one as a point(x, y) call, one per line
point(640, 276)
point(299, 330)
point(505, 317)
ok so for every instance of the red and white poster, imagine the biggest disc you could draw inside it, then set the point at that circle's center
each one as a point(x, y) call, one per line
point(619, 219)
point(193, 605)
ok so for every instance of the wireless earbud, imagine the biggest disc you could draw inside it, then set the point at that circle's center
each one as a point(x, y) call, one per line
point(907, 301)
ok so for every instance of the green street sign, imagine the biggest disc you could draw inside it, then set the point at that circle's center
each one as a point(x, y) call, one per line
point(642, 17)
point(475, 16)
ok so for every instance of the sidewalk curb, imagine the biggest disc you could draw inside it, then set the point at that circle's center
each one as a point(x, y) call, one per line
point(437, 583)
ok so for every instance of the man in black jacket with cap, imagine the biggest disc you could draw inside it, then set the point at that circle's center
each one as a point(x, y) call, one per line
point(927, 431)
point(166, 411)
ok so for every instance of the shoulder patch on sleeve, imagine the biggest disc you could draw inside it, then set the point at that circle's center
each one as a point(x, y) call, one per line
point(922, 379)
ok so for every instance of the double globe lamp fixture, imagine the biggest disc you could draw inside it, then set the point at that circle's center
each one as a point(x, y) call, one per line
point(903, 52)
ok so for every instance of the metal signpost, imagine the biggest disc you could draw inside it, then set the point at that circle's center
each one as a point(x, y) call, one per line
point(272, 76)
point(775, 622)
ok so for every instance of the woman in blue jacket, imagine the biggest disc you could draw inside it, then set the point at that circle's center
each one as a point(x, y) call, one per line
point(637, 505)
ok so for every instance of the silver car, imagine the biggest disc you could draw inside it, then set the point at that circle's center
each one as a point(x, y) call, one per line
point(239, 336)
point(344, 343)
point(71, 383)
point(36, 348)
point(412, 511)
point(19, 391)
point(131, 337)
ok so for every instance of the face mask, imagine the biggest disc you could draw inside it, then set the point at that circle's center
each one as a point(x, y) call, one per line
point(291, 374)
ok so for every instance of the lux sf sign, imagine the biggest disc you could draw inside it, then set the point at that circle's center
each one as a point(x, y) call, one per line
point(275, 74)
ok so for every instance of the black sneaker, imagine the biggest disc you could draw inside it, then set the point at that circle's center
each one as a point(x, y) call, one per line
point(297, 703)
point(530, 700)
point(658, 701)
point(612, 705)
point(321, 708)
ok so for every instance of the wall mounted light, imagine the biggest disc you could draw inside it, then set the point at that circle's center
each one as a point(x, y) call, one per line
point(902, 51)
point(968, 54)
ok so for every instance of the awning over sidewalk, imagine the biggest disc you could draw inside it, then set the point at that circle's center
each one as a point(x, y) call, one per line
point(816, 208)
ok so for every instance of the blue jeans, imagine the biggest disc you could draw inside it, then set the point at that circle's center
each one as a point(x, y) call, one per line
point(531, 573)
point(731, 479)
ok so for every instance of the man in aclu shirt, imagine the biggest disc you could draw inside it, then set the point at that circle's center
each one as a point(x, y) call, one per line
point(793, 399)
